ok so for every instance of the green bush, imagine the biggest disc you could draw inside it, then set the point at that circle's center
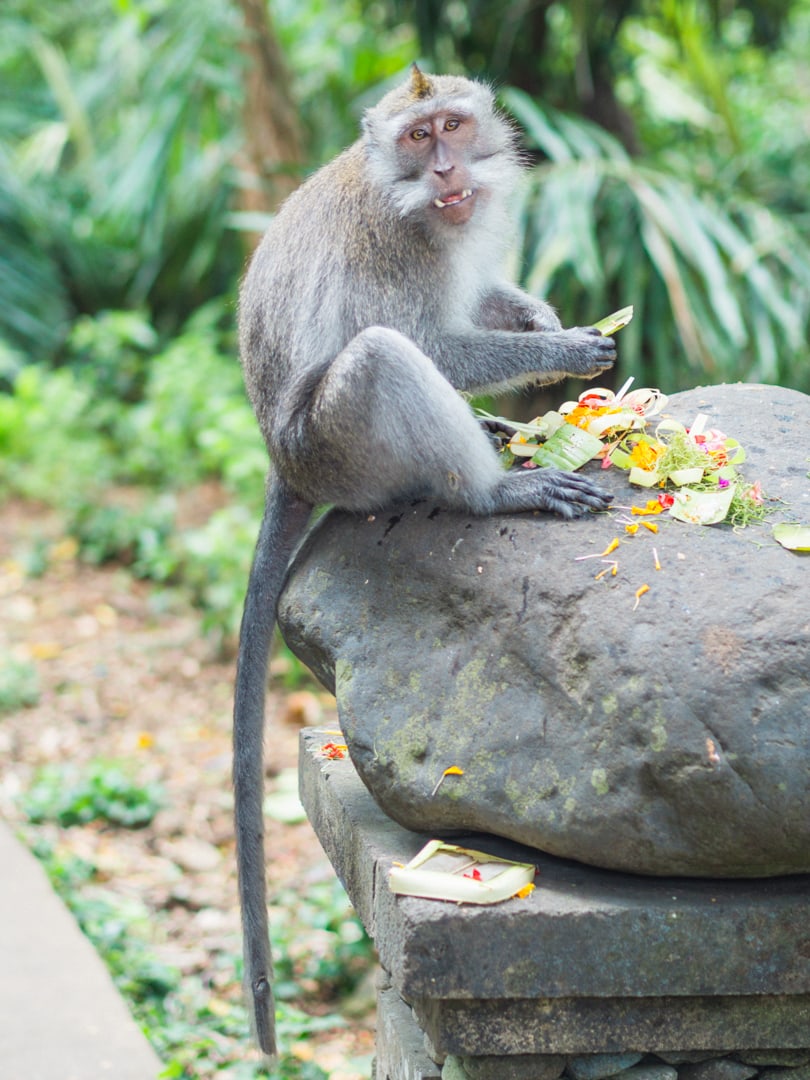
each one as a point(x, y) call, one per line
point(215, 561)
point(51, 445)
point(131, 410)
point(137, 537)
point(116, 150)
point(103, 791)
point(345, 951)
point(112, 350)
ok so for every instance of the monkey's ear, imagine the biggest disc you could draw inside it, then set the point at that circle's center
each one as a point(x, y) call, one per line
point(421, 85)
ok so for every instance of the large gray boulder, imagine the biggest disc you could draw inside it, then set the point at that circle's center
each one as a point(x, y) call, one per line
point(668, 736)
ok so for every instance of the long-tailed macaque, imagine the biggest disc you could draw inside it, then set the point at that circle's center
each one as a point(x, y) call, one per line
point(373, 298)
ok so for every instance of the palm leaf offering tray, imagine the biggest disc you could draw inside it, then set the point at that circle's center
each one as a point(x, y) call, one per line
point(695, 470)
point(445, 872)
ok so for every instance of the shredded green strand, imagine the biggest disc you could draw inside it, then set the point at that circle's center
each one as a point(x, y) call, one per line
point(745, 509)
point(681, 453)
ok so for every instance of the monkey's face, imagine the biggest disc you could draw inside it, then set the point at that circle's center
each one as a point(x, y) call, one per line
point(439, 150)
point(440, 156)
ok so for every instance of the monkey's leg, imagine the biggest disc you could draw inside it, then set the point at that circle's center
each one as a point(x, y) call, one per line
point(398, 429)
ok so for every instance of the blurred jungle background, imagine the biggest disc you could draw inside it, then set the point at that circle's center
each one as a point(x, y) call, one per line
point(144, 145)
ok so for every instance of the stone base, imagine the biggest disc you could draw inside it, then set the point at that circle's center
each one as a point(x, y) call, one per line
point(593, 962)
point(401, 1051)
point(401, 1055)
point(614, 1025)
point(618, 1067)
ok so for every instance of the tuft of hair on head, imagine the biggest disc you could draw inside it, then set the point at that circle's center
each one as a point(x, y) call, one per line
point(421, 85)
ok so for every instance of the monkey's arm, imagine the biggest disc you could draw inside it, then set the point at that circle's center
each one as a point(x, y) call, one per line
point(509, 308)
point(484, 359)
point(362, 390)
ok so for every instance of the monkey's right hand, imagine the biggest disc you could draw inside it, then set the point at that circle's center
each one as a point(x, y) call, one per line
point(587, 351)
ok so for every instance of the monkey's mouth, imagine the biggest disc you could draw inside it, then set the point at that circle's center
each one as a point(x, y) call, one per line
point(453, 200)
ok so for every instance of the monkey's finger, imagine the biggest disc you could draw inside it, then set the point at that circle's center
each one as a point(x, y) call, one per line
point(589, 352)
point(569, 495)
point(498, 427)
point(606, 346)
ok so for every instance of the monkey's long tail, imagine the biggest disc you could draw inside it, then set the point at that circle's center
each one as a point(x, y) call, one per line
point(284, 521)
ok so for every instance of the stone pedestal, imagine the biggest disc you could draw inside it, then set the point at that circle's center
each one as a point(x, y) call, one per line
point(672, 972)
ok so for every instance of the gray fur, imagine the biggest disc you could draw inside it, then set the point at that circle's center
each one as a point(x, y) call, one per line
point(364, 309)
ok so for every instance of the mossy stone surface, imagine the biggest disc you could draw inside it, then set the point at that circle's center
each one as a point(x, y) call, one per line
point(668, 736)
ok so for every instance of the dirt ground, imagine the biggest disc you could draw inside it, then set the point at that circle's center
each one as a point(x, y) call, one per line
point(126, 674)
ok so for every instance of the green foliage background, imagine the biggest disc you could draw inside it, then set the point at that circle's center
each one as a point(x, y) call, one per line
point(122, 236)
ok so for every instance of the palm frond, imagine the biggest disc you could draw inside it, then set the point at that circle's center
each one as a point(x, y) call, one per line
point(721, 285)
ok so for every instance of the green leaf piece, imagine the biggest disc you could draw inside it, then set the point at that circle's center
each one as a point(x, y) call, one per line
point(792, 536)
point(617, 321)
point(568, 448)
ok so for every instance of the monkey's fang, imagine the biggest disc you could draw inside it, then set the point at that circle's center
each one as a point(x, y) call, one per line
point(453, 200)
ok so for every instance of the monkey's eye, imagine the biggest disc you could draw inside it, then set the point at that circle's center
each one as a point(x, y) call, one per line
point(452, 124)
point(419, 133)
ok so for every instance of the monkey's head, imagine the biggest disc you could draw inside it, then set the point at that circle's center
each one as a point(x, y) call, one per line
point(438, 148)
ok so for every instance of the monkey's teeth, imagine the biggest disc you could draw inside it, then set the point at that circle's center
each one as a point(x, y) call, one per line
point(454, 199)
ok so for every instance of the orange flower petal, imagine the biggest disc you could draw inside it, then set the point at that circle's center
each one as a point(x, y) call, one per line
point(453, 770)
point(639, 593)
point(653, 506)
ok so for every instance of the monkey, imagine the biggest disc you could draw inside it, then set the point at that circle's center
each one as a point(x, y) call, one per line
point(373, 298)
